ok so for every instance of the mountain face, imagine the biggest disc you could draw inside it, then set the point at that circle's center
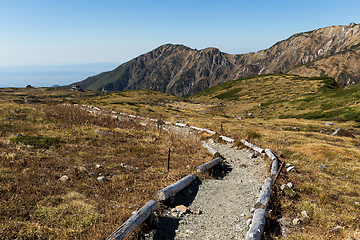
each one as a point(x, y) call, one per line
point(180, 70)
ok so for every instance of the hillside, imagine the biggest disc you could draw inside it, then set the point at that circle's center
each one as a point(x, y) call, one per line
point(182, 71)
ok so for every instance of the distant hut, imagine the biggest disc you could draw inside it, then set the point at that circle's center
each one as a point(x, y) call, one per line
point(76, 88)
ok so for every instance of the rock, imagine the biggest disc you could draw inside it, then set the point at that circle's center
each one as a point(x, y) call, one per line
point(19, 135)
point(341, 132)
point(180, 209)
point(250, 114)
point(242, 165)
point(329, 124)
point(289, 185)
point(64, 178)
point(296, 221)
point(101, 179)
point(282, 187)
point(323, 167)
point(336, 229)
point(304, 215)
point(248, 222)
point(46, 169)
point(93, 174)
point(188, 167)
point(291, 169)
point(98, 166)
point(287, 165)
point(239, 118)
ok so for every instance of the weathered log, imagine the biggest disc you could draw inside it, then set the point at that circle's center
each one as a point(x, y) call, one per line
point(203, 130)
point(257, 225)
point(274, 167)
point(275, 162)
point(181, 125)
point(208, 165)
point(270, 154)
point(134, 221)
point(174, 188)
point(227, 139)
point(264, 196)
point(211, 150)
point(252, 146)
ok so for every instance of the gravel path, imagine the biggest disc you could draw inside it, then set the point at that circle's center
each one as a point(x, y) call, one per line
point(217, 208)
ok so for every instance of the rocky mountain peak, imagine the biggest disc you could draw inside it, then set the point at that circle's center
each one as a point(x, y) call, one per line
point(180, 70)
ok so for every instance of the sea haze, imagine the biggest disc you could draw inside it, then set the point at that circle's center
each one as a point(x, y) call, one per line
point(50, 75)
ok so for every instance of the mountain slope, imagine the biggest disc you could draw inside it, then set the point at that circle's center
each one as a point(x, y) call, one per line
point(182, 71)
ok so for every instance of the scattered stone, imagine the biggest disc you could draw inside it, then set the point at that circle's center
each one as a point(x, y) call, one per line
point(290, 185)
point(329, 124)
point(93, 174)
point(304, 215)
point(296, 221)
point(250, 114)
point(323, 167)
point(287, 165)
point(341, 132)
point(282, 187)
point(101, 179)
point(239, 118)
point(337, 228)
point(188, 167)
point(19, 135)
point(242, 165)
point(46, 169)
point(98, 166)
point(180, 208)
point(248, 222)
point(64, 178)
point(357, 203)
point(291, 169)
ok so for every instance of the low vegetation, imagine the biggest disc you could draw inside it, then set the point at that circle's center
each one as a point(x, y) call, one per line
point(41, 142)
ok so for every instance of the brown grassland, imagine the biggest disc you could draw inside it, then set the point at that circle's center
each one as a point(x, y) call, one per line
point(61, 140)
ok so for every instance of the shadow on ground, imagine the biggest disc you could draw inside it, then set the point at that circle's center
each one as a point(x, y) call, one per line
point(166, 222)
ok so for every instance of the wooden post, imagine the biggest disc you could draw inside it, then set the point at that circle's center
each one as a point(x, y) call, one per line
point(168, 160)
point(221, 129)
point(278, 173)
point(134, 221)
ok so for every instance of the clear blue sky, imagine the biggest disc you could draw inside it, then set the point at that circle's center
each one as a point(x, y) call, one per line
point(46, 32)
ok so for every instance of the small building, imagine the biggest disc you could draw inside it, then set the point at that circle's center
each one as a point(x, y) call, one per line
point(76, 88)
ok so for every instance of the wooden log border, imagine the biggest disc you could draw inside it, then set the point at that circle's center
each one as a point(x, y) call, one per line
point(208, 165)
point(252, 146)
point(210, 149)
point(174, 188)
point(259, 218)
point(134, 221)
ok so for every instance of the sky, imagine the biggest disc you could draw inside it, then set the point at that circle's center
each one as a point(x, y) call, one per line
point(50, 33)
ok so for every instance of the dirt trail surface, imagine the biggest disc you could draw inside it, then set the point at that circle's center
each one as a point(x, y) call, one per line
point(216, 208)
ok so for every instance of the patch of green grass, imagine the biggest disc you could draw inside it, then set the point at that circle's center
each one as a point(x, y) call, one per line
point(37, 141)
point(230, 95)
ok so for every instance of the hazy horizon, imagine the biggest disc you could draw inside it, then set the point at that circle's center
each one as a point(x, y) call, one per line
point(48, 76)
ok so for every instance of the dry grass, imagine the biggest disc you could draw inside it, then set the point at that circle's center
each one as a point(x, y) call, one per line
point(31, 194)
point(36, 204)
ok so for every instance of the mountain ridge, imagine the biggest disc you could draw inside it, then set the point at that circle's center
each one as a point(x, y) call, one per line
point(182, 71)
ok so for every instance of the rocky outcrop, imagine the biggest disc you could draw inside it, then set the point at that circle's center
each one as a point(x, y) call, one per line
point(180, 70)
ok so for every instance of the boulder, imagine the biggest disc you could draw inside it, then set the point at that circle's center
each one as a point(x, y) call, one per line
point(341, 132)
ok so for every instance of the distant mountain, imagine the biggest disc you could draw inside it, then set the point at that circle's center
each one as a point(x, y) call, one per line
point(180, 70)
